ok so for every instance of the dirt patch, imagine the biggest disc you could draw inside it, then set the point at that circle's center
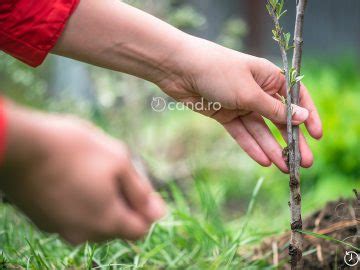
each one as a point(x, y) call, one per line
point(339, 220)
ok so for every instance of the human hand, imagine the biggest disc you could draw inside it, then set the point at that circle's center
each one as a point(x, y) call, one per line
point(71, 178)
point(189, 69)
point(247, 87)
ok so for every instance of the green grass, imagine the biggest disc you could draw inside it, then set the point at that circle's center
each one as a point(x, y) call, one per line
point(185, 239)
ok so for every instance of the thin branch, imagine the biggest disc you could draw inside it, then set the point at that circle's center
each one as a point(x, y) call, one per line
point(292, 152)
point(280, 35)
point(296, 241)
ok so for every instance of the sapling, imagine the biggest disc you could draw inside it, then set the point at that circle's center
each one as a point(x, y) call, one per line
point(293, 78)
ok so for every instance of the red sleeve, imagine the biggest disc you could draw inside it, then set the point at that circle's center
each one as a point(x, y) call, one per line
point(29, 29)
point(2, 131)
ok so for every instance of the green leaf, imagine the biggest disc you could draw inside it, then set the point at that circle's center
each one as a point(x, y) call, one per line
point(276, 39)
point(299, 78)
point(268, 7)
point(279, 8)
point(282, 13)
point(287, 37)
point(329, 238)
point(281, 5)
point(292, 75)
point(273, 3)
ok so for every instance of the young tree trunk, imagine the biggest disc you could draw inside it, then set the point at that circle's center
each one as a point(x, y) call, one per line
point(296, 241)
point(291, 152)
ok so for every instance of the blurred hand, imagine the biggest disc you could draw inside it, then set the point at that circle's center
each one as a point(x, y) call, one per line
point(71, 178)
point(248, 88)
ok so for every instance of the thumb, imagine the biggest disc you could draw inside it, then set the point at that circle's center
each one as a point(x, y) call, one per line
point(276, 111)
point(140, 194)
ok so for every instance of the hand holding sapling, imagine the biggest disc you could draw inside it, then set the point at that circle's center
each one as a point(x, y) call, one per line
point(247, 87)
point(190, 69)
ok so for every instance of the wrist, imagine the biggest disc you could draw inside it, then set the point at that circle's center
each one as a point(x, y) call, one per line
point(186, 65)
point(177, 64)
point(23, 140)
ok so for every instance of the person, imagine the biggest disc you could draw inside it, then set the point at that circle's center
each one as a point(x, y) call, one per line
point(69, 177)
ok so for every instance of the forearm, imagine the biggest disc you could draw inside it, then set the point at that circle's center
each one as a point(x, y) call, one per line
point(116, 36)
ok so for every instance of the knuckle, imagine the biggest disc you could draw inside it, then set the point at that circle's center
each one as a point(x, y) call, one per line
point(277, 109)
point(278, 82)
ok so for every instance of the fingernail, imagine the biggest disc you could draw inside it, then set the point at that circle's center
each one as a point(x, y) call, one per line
point(156, 208)
point(300, 114)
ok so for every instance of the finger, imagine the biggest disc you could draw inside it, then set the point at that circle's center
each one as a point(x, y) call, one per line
point(273, 109)
point(313, 123)
point(307, 158)
point(269, 79)
point(257, 127)
point(117, 220)
point(267, 75)
point(139, 193)
point(127, 223)
point(238, 131)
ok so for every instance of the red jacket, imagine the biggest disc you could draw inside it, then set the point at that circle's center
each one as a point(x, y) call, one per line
point(29, 29)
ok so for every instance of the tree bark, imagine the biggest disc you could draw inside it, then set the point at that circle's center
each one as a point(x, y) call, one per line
point(291, 152)
point(296, 241)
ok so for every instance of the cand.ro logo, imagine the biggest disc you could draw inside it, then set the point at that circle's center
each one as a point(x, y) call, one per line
point(158, 104)
point(351, 258)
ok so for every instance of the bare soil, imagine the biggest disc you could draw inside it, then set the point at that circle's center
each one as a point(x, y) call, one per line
point(339, 220)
